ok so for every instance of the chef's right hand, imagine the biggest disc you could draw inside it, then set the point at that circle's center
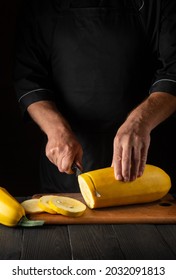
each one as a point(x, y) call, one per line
point(63, 149)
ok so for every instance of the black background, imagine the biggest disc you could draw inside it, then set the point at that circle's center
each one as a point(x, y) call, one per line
point(20, 142)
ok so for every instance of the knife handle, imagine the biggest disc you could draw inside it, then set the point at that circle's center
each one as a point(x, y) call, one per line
point(76, 169)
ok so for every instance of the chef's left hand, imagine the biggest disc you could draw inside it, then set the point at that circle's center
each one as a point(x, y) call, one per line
point(131, 145)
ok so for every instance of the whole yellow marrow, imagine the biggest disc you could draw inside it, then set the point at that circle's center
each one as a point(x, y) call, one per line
point(99, 188)
point(11, 210)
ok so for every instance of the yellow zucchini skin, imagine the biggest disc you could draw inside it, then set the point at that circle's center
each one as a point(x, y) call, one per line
point(11, 210)
point(151, 186)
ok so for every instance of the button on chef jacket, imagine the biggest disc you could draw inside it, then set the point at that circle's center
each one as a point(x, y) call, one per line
point(96, 60)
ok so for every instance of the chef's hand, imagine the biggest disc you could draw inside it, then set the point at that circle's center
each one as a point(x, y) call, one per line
point(63, 149)
point(132, 140)
point(131, 145)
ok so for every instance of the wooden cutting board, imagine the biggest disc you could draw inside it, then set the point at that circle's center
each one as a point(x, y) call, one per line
point(160, 212)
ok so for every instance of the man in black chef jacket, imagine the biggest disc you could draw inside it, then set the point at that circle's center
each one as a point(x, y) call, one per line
point(97, 77)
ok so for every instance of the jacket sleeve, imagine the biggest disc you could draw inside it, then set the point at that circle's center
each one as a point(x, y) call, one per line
point(165, 78)
point(31, 66)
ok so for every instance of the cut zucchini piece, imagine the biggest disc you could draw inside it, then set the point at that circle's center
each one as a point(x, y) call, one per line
point(31, 206)
point(67, 206)
point(43, 203)
point(154, 184)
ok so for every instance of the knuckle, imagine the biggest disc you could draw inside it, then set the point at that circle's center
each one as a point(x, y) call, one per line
point(118, 158)
point(126, 159)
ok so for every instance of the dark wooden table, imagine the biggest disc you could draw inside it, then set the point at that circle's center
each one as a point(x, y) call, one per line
point(89, 242)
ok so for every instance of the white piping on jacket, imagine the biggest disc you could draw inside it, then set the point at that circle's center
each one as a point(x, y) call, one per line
point(142, 5)
point(39, 89)
point(164, 80)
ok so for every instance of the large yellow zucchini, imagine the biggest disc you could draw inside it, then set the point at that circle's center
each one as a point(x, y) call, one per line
point(11, 210)
point(99, 188)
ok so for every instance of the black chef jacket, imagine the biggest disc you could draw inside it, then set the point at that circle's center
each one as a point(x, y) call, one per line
point(97, 60)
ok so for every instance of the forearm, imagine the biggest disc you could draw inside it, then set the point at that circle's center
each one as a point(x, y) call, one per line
point(154, 110)
point(48, 118)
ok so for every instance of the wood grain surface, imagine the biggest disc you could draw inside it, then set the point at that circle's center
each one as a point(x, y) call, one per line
point(160, 212)
point(89, 242)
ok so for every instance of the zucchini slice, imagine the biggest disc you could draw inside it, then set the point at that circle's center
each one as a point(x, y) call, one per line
point(67, 206)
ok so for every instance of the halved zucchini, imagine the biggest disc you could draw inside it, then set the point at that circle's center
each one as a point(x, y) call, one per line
point(151, 186)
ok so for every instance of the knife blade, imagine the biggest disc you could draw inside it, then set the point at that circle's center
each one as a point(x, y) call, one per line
point(76, 169)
